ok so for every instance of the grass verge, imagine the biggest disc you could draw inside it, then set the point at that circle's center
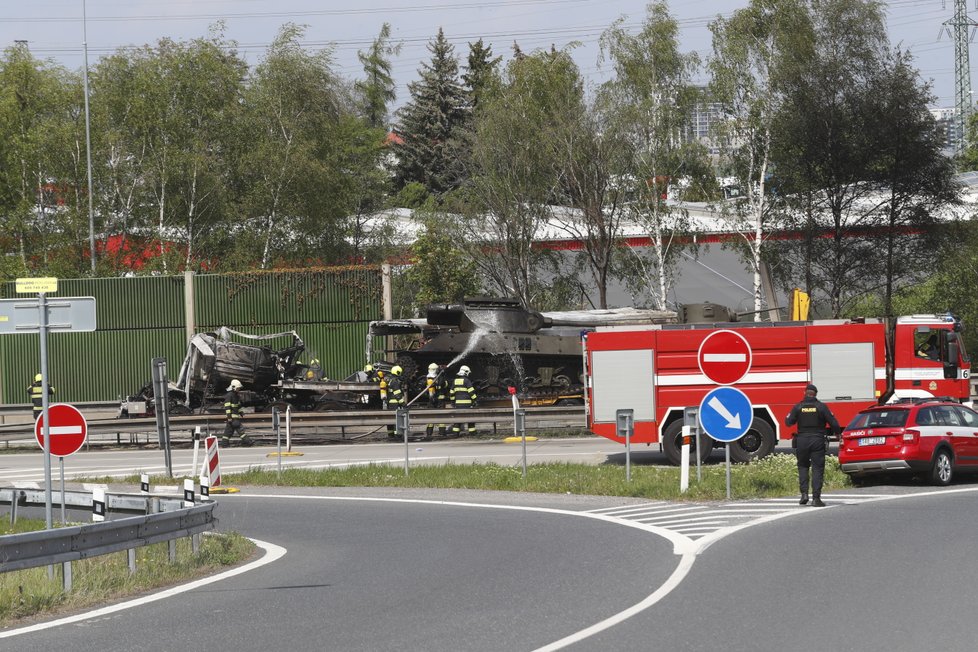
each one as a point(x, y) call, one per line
point(100, 580)
point(775, 475)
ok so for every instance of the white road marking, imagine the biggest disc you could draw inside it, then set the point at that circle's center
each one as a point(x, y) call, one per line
point(272, 553)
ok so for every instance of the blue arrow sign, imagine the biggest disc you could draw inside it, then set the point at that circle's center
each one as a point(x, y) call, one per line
point(726, 414)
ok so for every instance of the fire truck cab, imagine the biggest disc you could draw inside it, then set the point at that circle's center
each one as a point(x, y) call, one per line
point(657, 372)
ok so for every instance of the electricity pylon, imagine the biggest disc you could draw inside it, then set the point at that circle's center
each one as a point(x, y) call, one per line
point(957, 28)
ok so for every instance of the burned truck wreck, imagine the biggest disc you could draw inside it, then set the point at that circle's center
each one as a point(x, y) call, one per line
point(271, 377)
point(504, 344)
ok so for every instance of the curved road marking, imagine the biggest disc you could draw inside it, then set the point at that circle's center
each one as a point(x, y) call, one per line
point(682, 546)
point(272, 553)
point(686, 548)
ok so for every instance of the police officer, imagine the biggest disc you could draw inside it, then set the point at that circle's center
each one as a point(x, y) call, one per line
point(394, 393)
point(462, 395)
point(233, 415)
point(813, 418)
point(437, 392)
point(37, 395)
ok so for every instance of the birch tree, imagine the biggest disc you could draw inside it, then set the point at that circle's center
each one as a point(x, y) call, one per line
point(649, 102)
point(749, 50)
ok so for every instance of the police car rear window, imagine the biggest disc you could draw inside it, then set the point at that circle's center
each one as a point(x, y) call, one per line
point(880, 419)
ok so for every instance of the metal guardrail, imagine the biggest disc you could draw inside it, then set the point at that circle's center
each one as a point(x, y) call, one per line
point(342, 424)
point(67, 544)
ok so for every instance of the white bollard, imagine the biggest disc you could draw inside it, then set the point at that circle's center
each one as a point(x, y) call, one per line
point(684, 462)
point(98, 505)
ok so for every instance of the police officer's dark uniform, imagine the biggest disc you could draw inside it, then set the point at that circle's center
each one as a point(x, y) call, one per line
point(813, 418)
point(37, 395)
point(233, 415)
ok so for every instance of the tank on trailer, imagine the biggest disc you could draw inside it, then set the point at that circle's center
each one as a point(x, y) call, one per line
point(505, 345)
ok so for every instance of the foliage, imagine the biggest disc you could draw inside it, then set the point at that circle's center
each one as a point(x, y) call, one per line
point(752, 51)
point(857, 159)
point(378, 88)
point(428, 121)
point(513, 179)
point(43, 210)
point(775, 475)
point(95, 581)
point(440, 271)
point(648, 106)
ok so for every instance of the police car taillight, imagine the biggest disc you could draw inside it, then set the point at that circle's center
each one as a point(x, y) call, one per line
point(911, 436)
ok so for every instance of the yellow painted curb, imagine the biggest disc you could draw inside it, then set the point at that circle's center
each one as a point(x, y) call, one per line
point(288, 454)
point(513, 440)
point(225, 490)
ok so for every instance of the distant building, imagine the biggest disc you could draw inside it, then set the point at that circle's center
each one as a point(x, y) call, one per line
point(947, 118)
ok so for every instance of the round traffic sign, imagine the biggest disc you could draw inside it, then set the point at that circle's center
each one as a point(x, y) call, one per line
point(724, 357)
point(67, 431)
point(726, 414)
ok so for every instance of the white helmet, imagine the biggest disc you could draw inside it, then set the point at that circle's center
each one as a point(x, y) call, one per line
point(464, 370)
point(235, 384)
point(433, 366)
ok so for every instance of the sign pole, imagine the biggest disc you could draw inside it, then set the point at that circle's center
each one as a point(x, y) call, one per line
point(61, 462)
point(625, 423)
point(727, 448)
point(42, 318)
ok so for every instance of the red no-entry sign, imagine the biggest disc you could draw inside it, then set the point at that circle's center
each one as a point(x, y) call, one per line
point(68, 429)
point(724, 357)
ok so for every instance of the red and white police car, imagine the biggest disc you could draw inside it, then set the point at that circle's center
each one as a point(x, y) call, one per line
point(930, 437)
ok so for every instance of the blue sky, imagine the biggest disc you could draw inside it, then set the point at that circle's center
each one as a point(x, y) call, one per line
point(54, 28)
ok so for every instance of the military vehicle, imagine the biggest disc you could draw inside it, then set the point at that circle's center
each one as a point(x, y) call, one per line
point(505, 345)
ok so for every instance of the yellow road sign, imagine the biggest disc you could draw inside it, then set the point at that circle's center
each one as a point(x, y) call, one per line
point(36, 285)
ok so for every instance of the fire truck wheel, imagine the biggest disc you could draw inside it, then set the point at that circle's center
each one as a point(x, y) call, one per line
point(943, 469)
point(672, 444)
point(756, 443)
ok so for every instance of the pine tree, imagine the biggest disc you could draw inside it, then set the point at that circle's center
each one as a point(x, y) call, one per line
point(377, 88)
point(428, 120)
point(479, 73)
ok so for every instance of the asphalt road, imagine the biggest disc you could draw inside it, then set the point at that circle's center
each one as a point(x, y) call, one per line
point(882, 568)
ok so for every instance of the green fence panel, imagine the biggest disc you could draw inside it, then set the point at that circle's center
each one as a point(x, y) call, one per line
point(348, 294)
point(125, 303)
point(96, 366)
point(141, 318)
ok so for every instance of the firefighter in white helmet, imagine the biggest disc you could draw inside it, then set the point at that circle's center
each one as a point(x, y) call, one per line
point(233, 415)
point(437, 391)
point(463, 396)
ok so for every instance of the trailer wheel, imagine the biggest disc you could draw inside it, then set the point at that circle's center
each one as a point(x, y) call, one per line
point(756, 443)
point(672, 444)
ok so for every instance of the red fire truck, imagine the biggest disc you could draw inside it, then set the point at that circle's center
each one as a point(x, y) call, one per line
point(659, 370)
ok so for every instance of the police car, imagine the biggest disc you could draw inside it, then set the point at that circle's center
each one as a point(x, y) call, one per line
point(934, 438)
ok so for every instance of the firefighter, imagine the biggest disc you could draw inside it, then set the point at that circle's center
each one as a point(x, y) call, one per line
point(233, 415)
point(369, 374)
point(463, 396)
point(394, 392)
point(314, 371)
point(814, 420)
point(928, 348)
point(37, 395)
point(437, 391)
